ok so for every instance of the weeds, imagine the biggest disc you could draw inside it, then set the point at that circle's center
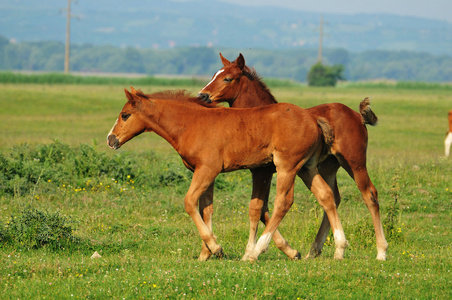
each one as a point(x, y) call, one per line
point(25, 168)
point(390, 223)
point(33, 229)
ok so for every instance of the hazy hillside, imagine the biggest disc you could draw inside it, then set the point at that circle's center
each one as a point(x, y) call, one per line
point(191, 61)
point(165, 24)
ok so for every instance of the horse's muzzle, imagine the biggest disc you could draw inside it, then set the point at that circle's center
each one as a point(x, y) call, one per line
point(205, 97)
point(113, 142)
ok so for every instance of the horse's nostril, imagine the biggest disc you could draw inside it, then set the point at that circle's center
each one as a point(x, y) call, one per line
point(113, 142)
point(204, 97)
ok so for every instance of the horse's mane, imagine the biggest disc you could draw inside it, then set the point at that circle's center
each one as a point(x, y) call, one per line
point(177, 95)
point(253, 76)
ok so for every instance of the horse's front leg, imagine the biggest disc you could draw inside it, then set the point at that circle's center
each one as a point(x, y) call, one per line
point(283, 202)
point(206, 211)
point(203, 178)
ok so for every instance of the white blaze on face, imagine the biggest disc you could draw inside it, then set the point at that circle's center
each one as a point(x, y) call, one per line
point(112, 128)
point(213, 79)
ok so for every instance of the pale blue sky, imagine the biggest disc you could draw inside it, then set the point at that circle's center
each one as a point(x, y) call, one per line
point(431, 9)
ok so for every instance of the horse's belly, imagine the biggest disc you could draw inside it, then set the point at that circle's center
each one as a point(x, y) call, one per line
point(246, 159)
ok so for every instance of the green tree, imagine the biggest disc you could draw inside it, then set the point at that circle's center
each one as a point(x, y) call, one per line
point(320, 75)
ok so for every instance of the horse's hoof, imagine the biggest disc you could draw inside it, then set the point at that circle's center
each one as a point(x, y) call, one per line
point(204, 256)
point(381, 257)
point(250, 257)
point(219, 253)
point(297, 256)
point(313, 253)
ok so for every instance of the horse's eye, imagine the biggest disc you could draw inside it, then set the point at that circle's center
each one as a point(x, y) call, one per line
point(227, 80)
point(125, 116)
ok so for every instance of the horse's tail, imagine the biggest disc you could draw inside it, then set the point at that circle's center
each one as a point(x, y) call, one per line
point(367, 115)
point(327, 131)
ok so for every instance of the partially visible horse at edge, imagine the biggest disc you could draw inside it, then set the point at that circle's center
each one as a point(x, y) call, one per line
point(240, 87)
point(448, 140)
point(290, 140)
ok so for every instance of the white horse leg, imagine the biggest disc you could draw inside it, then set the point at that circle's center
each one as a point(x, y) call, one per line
point(447, 143)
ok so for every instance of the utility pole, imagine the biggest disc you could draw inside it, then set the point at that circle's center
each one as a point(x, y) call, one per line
point(319, 53)
point(68, 36)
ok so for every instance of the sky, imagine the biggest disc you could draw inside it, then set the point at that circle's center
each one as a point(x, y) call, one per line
point(431, 9)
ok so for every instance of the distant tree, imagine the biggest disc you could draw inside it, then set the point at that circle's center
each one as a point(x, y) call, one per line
point(3, 42)
point(320, 75)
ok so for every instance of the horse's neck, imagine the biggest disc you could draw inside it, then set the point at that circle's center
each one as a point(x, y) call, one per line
point(170, 120)
point(253, 95)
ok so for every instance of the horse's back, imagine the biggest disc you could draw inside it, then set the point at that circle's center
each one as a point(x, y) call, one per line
point(289, 117)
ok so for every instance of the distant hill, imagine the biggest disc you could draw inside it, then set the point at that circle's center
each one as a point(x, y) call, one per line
point(167, 24)
point(204, 61)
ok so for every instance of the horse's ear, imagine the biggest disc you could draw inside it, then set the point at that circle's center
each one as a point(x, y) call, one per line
point(131, 96)
point(128, 95)
point(224, 60)
point(240, 61)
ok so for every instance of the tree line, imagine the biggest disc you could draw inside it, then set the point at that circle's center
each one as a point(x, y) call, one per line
point(292, 64)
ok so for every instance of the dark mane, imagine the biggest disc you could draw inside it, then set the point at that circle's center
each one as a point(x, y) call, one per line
point(178, 95)
point(253, 76)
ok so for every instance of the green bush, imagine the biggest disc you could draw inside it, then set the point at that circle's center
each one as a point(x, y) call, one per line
point(321, 75)
point(23, 168)
point(33, 229)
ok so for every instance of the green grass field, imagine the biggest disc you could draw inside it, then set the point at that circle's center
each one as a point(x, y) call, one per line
point(59, 177)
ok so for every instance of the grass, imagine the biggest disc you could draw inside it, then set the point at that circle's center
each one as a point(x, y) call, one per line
point(128, 205)
point(59, 78)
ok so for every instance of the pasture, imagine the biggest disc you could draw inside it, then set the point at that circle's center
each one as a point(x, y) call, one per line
point(128, 205)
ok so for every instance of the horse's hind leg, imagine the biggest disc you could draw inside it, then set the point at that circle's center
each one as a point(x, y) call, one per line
point(258, 209)
point(279, 240)
point(283, 202)
point(370, 197)
point(325, 197)
point(356, 168)
point(328, 170)
point(206, 211)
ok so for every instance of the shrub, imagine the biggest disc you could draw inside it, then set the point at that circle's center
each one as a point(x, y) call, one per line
point(321, 75)
point(391, 223)
point(33, 229)
point(23, 168)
